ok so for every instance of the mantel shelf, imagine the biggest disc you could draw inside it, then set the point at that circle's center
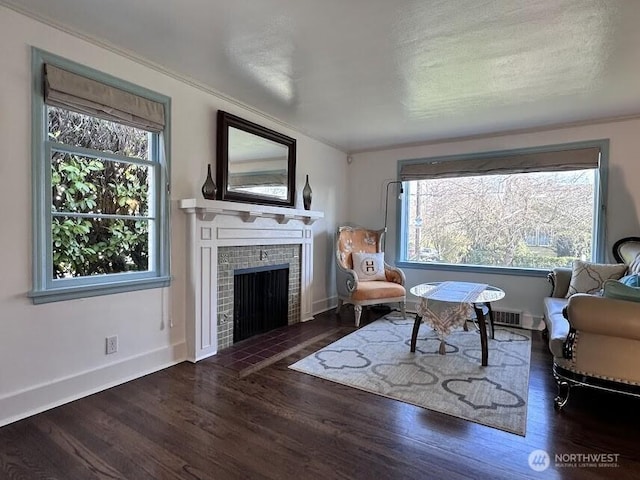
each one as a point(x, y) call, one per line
point(207, 210)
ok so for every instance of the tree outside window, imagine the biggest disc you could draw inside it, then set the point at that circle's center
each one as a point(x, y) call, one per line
point(522, 220)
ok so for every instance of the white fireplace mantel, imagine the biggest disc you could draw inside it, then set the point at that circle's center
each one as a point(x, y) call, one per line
point(213, 224)
point(207, 210)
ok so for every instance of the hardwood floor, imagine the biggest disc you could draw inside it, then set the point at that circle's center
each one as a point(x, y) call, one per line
point(205, 422)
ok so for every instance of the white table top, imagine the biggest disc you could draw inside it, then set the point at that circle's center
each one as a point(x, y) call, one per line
point(458, 292)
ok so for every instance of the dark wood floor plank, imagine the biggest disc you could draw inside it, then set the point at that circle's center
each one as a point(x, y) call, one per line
point(196, 446)
point(203, 422)
point(77, 443)
point(38, 456)
point(238, 432)
point(151, 460)
point(269, 420)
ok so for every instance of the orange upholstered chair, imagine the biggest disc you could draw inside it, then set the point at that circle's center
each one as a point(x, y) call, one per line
point(362, 275)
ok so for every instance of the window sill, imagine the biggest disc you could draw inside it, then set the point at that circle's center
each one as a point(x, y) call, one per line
point(94, 290)
point(449, 267)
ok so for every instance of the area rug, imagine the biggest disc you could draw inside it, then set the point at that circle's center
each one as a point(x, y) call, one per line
point(376, 358)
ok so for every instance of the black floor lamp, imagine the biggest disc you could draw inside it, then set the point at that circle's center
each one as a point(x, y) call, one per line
point(386, 203)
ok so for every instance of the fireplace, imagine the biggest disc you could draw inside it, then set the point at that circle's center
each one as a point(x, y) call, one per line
point(223, 236)
point(258, 257)
point(260, 300)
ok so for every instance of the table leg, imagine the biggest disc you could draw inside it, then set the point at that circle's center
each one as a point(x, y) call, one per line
point(483, 334)
point(493, 330)
point(414, 334)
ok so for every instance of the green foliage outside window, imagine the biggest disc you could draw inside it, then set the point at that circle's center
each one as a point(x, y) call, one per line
point(97, 188)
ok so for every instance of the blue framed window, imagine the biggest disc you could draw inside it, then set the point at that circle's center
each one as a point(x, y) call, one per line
point(100, 183)
point(513, 212)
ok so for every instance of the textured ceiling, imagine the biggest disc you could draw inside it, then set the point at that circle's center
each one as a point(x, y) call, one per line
point(365, 74)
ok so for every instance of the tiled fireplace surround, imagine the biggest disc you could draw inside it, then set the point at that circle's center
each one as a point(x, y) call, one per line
point(232, 258)
point(223, 236)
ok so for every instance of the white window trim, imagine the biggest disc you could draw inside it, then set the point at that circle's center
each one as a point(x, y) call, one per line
point(45, 287)
point(599, 231)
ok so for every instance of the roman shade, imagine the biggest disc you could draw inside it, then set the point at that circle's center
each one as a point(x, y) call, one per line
point(497, 164)
point(75, 92)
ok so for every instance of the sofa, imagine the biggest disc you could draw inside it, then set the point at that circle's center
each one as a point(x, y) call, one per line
point(594, 336)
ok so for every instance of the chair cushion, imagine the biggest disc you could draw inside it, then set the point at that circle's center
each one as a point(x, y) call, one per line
point(378, 290)
point(368, 266)
point(557, 325)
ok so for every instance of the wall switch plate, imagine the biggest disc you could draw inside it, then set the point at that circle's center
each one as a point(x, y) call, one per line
point(112, 344)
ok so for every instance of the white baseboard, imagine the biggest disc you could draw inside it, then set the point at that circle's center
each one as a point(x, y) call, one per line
point(24, 403)
point(320, 306)
point(532, 322)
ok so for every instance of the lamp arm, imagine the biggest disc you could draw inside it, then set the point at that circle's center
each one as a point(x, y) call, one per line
point(386, 200)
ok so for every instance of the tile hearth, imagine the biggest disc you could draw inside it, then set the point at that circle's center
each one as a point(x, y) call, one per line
point(255, 353)
point(250, 355)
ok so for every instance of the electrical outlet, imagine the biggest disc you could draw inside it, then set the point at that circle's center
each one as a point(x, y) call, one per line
point(112, 344)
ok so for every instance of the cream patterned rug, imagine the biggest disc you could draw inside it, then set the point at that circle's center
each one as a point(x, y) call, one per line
point(376, 358)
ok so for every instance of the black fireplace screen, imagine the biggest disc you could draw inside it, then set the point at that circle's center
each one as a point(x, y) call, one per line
point(260, 300)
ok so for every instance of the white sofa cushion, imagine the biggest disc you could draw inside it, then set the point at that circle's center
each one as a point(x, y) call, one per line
point(557, 325)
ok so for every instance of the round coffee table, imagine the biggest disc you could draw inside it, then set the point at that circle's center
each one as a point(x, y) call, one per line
point(477, 295)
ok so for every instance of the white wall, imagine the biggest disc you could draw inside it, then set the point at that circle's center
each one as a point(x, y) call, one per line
point(374, 169)
point(56, 352)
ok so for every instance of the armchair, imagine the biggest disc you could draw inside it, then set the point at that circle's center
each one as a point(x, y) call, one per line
point(387, 288)
point(594, 340)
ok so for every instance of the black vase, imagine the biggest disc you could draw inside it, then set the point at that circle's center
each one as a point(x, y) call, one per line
point(209, 187)
point(306, 195)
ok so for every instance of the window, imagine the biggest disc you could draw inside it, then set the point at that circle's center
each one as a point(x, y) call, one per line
point(101, 216)
point(515, 212)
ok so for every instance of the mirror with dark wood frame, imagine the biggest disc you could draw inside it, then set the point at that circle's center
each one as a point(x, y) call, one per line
point(254, 164)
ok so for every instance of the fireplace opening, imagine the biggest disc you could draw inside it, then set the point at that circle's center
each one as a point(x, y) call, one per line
point(260, 300)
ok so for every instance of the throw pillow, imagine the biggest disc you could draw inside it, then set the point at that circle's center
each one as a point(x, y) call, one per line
point(620, 291)
point(368, 266)
point(588, 277)
point(631, 280)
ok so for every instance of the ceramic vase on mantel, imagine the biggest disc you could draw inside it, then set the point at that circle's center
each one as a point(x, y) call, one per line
point(306, 195)
point(209, 187)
